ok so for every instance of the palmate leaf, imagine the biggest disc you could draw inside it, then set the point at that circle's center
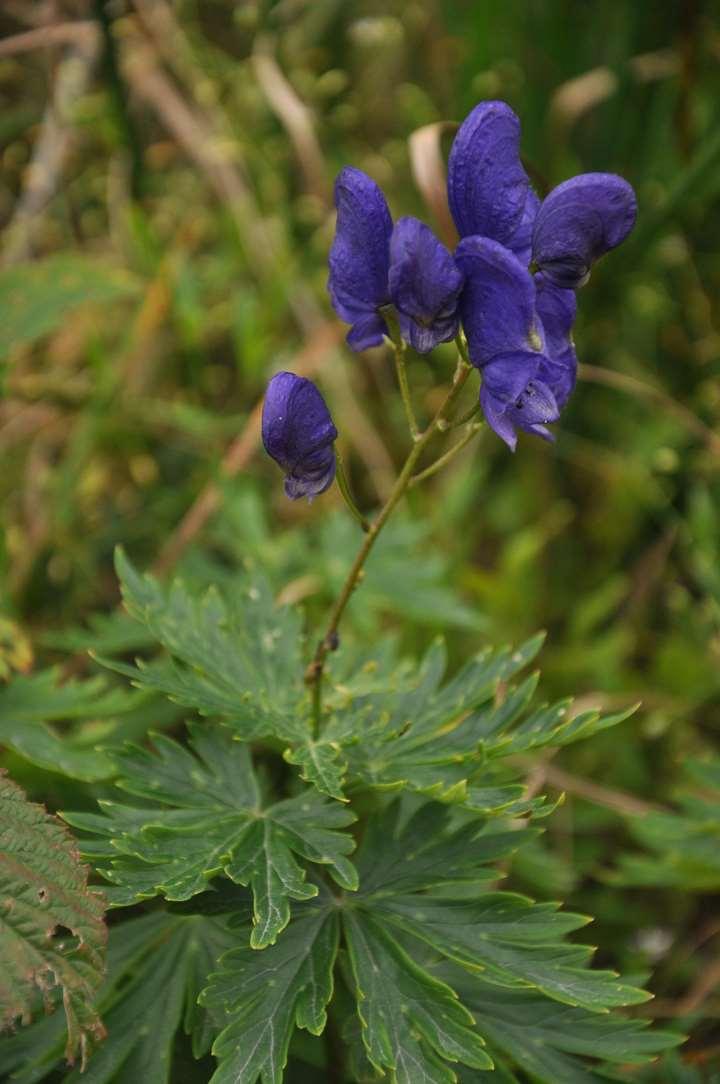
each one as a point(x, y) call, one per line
point(52, 933)
point(264, 996)
point(30, 703)
point(237, 657)
point(447, 741)
point(412, 908)
point(203, 815)
point(444, 981)
point(157, 965)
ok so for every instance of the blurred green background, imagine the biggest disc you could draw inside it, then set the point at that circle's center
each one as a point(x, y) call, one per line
point(166, 202)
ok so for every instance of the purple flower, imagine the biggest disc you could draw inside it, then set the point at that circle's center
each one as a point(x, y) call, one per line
point(373, 265)
point(425, 285)
point(490, 195)
point(360, 258)
point(579, 221)
point(488, 190)
point(556, 309)
point(506, 340)
point(298, 433)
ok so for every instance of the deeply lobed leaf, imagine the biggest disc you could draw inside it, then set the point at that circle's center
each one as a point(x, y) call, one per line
point(206, 816)
point(263, 997)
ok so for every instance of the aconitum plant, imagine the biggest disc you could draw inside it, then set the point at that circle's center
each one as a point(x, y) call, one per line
point(307, 878)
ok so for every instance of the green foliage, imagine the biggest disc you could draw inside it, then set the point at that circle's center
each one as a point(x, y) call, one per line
point(426, 936)
point(36, 297)
point(238, 658)
point(446, 741)
point(157, 965)
point(52, 934)
point(684, 847)
point(206, 816)
point(32, 702)
point(141, 334)
point(264, 997)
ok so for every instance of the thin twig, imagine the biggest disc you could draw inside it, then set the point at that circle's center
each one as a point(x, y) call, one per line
point(706, 984)
point(197, 133)
point(401, 369)
point(83, 32)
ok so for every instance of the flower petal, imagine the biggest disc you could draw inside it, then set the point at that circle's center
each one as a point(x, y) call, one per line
point(497, 305)
point(425, 284)
point(521, 241)
point(578, 222)
point(367, 331)
point(311, 483)
point(531, 410)
point(298, 433)
point(487, 185)
point(557, 309)
point(360, 252)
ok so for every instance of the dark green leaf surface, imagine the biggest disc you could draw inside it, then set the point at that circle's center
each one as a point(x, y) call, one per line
point(412, 1023)
point(551, 1041)
point(30, 703)
point(237, 658)
point(264, 996)
point(413, 911)
point(446, 740)
point(207, 817)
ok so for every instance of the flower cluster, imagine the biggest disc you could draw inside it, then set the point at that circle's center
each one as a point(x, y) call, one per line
point(510, 282)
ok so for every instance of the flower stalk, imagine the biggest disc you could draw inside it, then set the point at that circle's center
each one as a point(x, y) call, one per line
point(315, 670)
point(471, 432)
point(399, 349)
point(343, 482)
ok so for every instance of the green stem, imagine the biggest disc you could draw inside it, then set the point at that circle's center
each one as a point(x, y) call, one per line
point(344, 487)
point(314, 672)
point(467, 417)
point(405, 390)
point(399, 350)
point(449, 454)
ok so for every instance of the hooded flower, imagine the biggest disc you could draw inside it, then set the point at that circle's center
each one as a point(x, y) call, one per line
point(298, 433)
point(425, 284)
point(579, 221)
point(360, 258)
point(506, 340)
point(373, 265)
point(490, 195)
